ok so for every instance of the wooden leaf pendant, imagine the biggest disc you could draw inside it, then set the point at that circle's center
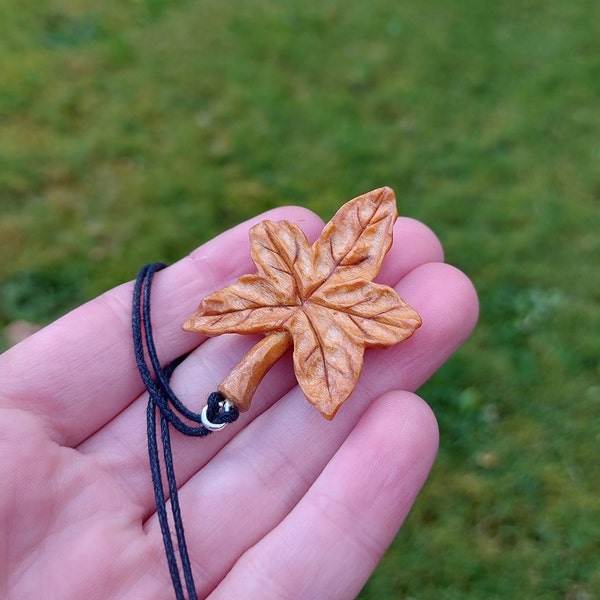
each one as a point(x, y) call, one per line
point(320, 299)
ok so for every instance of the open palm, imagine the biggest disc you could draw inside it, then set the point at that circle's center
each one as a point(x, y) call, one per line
point(280, 504)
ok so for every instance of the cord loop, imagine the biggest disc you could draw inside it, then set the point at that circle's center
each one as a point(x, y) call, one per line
point(171, 411)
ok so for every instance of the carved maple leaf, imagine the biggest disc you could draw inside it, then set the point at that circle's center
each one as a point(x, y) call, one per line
point(320, 298)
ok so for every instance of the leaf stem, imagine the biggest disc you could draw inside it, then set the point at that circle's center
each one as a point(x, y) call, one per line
point(239, 386)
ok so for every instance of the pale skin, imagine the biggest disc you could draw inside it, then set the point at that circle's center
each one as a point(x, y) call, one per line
point(281, 504)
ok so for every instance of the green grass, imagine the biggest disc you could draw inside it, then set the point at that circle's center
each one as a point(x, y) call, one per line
point(132, 131)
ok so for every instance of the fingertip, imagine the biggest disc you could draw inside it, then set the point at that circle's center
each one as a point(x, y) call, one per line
point(461, 302)
point(416, 234)
point(306, 219)
point(227, 256)
point(414, 244)
point(403, 420)
point(445, 298)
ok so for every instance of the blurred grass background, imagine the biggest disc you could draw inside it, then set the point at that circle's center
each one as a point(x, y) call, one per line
point(133, 130)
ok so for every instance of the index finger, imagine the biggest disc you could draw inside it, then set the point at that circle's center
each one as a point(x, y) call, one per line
point(80, 371)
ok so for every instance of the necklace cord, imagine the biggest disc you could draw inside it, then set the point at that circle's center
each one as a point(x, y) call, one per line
point(163, 402)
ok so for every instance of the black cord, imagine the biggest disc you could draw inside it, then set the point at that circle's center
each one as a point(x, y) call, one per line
point(162, 400)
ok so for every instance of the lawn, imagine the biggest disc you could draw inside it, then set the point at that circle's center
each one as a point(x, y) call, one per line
point(133, 130)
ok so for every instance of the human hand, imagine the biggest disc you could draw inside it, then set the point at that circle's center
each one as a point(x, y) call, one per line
point(280, 504)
